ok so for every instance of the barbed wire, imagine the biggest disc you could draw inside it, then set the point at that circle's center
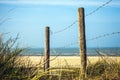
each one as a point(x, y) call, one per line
point(91, 39)
point(74, 43)
point(65, 28)
point(104, 35)
point(71, 25)
point(99, 8)
point(106, 3)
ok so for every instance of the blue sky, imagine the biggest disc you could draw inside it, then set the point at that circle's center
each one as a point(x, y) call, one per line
point(30, 17)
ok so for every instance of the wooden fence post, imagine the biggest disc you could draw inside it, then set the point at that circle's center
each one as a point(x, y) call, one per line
point(82, 42)
point(47, 49)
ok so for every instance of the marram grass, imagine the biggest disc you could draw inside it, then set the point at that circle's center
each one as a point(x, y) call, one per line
point(105, 69)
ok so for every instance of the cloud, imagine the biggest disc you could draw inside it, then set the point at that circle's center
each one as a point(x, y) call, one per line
point(60, 2)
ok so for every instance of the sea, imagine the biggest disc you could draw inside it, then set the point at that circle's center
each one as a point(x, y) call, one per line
point(73, 51)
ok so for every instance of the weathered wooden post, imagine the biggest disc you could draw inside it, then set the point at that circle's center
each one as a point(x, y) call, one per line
point(82, 42)
point(47, 49)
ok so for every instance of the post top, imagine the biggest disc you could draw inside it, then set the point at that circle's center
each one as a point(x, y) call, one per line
point(81, 8)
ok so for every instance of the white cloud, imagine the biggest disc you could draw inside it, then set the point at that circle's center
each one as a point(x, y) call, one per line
point(59, 2)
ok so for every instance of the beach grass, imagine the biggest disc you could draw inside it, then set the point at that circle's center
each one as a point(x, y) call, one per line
point(68, 68)
point(16, 67)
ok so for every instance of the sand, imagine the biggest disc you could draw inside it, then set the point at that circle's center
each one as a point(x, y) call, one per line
point(63, 61)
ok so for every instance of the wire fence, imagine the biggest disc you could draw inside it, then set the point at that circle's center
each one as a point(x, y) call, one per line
point(74, 22)
point(87, 40)
point(98, 8)
point(3, 19)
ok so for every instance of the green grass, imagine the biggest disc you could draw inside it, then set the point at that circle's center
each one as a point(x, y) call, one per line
point(106, 69)
point(8, 55)
point(103, 70)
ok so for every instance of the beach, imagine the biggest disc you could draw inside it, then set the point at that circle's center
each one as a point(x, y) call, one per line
point(63, 61)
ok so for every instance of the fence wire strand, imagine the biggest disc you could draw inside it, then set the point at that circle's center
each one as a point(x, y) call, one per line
point(65, 28)
point(74, 43)
point(71, 25)
point(59, 31)
point(99, 8)
point(104, 35)
point(92, 39)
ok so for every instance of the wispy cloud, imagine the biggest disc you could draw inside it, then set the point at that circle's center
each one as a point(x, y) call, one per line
point(60, 2)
